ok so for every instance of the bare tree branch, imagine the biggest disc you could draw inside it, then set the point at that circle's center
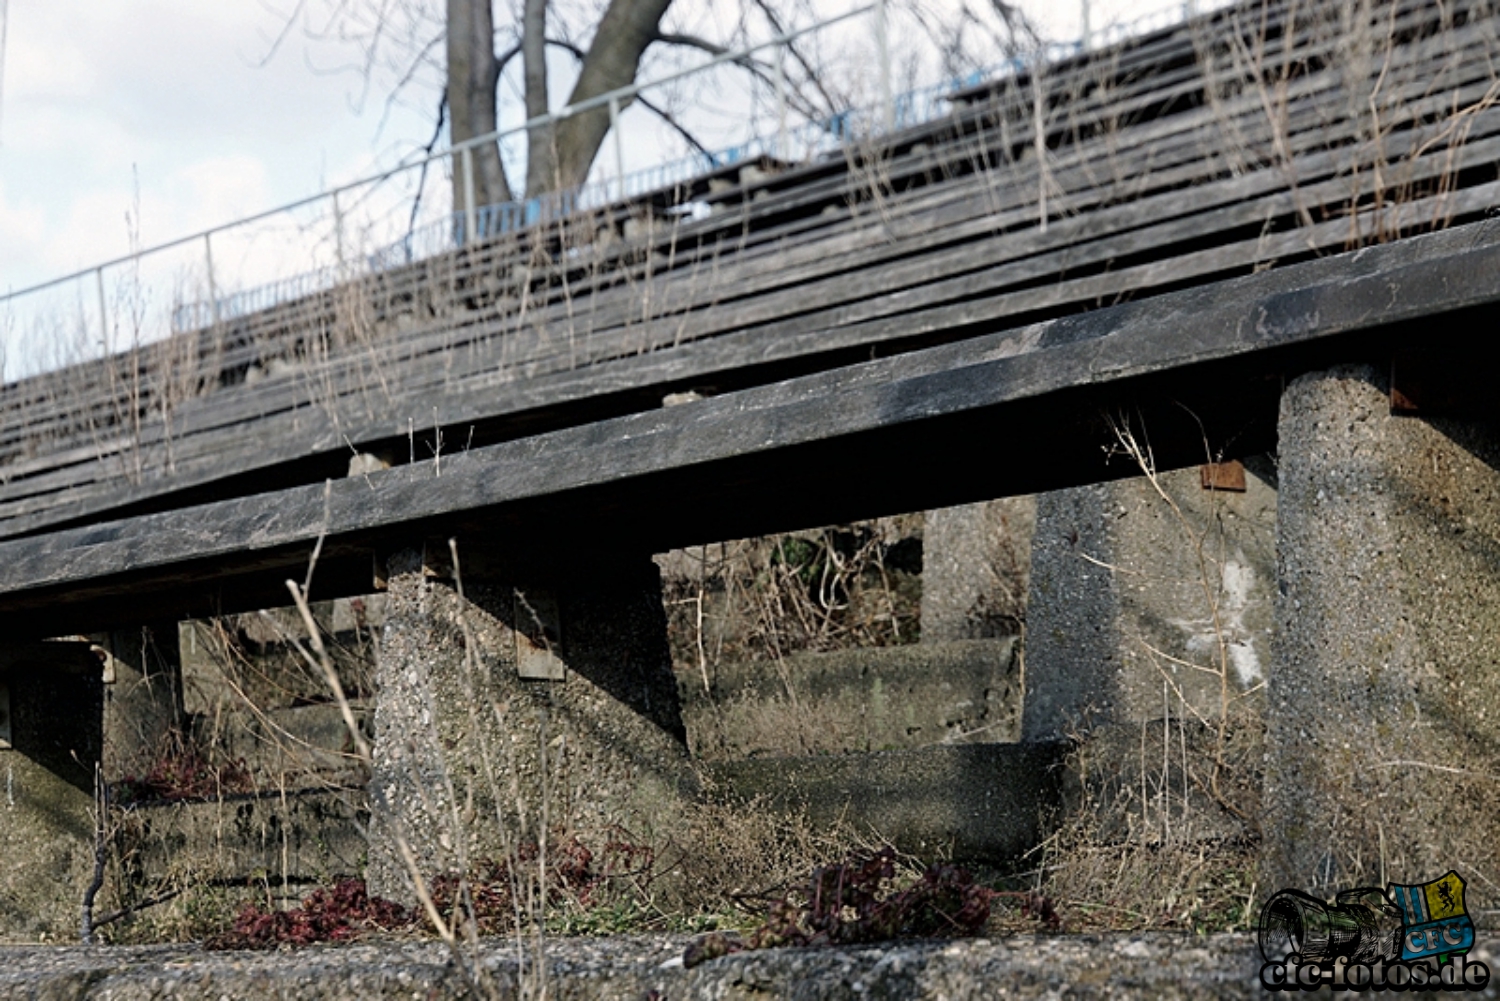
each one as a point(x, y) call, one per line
point(765, 74)
point(677, 126)
point(813, 77)
point(437, 132)
point(694, 42)
point(614, 58)
point(286, 29)
point(650, 106)
point(406, 79)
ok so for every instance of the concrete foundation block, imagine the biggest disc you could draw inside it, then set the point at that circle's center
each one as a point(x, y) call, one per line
point(976, 561)
point(251, 657)
point(1143, 606)
point(254, 702)
point(55, 697)
point(975, 802)
point(1383, 705)
point(143, 696)
point(859, 700)
point(302, 837)
point(295, 747)
point(470, 757)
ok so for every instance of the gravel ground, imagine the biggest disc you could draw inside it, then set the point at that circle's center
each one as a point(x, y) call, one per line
point(641, 968)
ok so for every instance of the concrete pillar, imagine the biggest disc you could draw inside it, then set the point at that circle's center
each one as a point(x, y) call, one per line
point(975, 563)
point(1383, 706)
point(1127, 591)
point(143, 697)
point(857, 701)
point(53, 702)
point(519, 709)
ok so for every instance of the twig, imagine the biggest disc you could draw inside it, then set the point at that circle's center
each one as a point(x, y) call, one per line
point(101, 818)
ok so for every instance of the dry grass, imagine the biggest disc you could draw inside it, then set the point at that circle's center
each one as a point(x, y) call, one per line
point(826, 589)
point(1145, 842)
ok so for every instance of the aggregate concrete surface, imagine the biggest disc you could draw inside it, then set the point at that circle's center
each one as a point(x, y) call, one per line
point(1121, 965)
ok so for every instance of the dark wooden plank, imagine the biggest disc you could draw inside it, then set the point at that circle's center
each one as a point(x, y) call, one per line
point(1143, 278)
point(637, 477)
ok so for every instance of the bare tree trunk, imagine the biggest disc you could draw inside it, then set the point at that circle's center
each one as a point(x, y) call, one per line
point(628, 26)
point(473, 73)
point(541, 160)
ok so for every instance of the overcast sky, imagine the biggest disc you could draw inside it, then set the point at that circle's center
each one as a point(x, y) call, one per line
point(176, 97)
point(100, 93)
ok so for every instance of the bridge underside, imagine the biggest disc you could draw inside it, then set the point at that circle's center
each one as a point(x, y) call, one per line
point(840, 345)
point(1198, 374)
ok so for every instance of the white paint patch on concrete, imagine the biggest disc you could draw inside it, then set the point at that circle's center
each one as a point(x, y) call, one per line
point(1237, 587)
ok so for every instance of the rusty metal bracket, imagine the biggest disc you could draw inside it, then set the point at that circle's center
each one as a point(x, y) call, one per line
point(1404, 396)
point(1227, 476)
point(1409, 390)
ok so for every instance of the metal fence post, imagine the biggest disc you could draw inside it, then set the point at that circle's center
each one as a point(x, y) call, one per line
point(883, 43)
point(103, 310)
point(781, 140)
point(338, 230)
point(471, 210)
point(213, 289)
point(614, 126)
point(1038, 109)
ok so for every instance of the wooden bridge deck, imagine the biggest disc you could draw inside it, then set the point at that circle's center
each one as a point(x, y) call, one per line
point(1001, 414)
point(1178, 168)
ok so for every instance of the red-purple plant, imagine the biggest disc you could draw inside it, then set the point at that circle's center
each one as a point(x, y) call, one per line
point(573, 871)
point(338, 914)
point(180, 770)
point(851, 903)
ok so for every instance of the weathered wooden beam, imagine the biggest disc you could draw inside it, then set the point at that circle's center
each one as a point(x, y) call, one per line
point(237, 443)
point(423, 273)
point(1013, 412)
point(260, 439)
point(1101, 236)
point(600, 314)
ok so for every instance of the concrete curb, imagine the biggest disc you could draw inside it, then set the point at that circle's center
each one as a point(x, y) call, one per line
point(1123, 965)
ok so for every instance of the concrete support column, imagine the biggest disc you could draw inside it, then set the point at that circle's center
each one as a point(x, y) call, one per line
point(143, 699)
point(53, 702)
point(1147, 636)
point(975, 561)
point(1383, 706)
point(519, 709)
point(1139, 603)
